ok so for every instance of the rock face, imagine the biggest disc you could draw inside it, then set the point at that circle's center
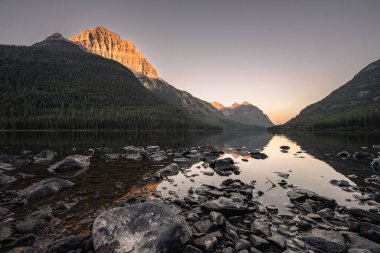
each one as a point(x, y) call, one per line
point(109, 45)
point(147, 227)
point(244, 113)
point(45, 188)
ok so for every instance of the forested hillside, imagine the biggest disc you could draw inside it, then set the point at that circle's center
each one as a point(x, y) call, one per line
point(56, 84)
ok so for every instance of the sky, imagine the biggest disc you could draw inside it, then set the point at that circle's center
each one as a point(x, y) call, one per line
point(279, 55)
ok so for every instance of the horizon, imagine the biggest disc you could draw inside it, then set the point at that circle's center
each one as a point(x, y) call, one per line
point(280, 62)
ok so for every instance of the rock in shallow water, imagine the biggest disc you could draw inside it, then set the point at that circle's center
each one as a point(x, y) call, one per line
point(44, 157)
point(78, 163)
point(45, 188)
point(226, 206)
point(147, 227)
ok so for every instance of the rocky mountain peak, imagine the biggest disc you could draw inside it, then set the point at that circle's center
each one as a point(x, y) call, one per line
point(217, 105)
point(234, 105)
point(108, 44)
point(245, 103)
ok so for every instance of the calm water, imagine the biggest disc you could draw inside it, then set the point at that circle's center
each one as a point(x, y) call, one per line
point(311, 163)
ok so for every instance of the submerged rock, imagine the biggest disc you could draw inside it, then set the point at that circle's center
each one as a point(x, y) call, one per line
point(78, 163)
point(147, 227)
point(170, 170)
point(258, 155)
point(45, 188)
point(45, 157)
point(344, 154)
point(363, 155)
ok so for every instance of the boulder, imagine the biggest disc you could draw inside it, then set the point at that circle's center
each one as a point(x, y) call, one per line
point(170, 170)
point(135, 157)
point(45, 188)
point(376, 164)
point(152, 149)
point(224, 167)
point(326, 240)
point(77, 163)
point(208, 242)
point(300, 195)
point(359, 242)
point(145, 227)
point(370, 231)
point(226, 206)
point(157, 157)
point(134, 150)
point(45, 157)
point(22, 160)
point(361, 213)
point(260, 228)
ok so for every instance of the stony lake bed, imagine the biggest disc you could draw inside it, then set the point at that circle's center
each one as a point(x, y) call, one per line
point(90, 192)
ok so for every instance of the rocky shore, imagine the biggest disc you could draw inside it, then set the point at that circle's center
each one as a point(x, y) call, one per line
point(226, 218)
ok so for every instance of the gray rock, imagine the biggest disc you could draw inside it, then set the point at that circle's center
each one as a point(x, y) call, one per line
point(363, 155)
point(356, 250)
point(326, 240)
point(147, 227)
point(224, 166)
point(242, 244)
point(282, 174)
point(21, 160)
point(225, 206)
point(299, 195)
point(191, 249)
point(5, 180)
point(344, 154)
point(376, 164)
point(134, 150)
point(111, 156)
point(170, 170)
point(260, 227)
point(181, 159)
point(5, 231)
point(135, 157)
point(207, 242)
point(157, 157)
point(218, 218)
point(67, 244)
point(45, 157)
point(205, 226)
point(278, 241)
point(370, 231)
point(34, 221)
point(361, 213)
point(45, 188)
point(359, 242)
point(77, 163)
point(326, 213)
point(152, 149)
point(258, 242)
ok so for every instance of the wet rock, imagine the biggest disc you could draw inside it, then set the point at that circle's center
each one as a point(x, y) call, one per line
point(67, 244)
point(135, 157)
point(344, 154)
point(359, 242)
point(5, 180)
point(157, 194)
point(340, 183)
point(224, 166)
point(78, 163)
point(258, 242)
point(157, 157)
point(258, 155)
point(182, 152)
point(282, 174)
point(152, 149)
point(191, 249)
point(205, 226)
point(111, 156)
point(356, 250)
point(5, 231)
point(225, 206)
point(170, 170)
point(361, 213)
point(370, 231)
point(272, 208)
point(45, 188)
point(207, 242)
point(300, 195)
point(242, 244)
point(363, 155)
point(278, 241)
point(261, 228)
point(326, 213)
point(284, 147)
point(376, 164)
point(21, 160)
point(34, 221)
point(218, 218)
point(192, 217)
point(326, 240)
point(134, 150)
point(45, 157)
point(146, 227)
point(181, 159)
point(208, 173)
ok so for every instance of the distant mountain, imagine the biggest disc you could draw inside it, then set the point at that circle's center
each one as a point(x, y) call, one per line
point(355, 105)
point(109, 45)
point(244, 113)
point(57, 84)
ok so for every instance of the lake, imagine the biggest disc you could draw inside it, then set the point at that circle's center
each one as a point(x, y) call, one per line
point(311, 163)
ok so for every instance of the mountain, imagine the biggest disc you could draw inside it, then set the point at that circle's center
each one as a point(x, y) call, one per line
point(57, 84)
point(244, 113)
point(109, 45)
point(355, 105)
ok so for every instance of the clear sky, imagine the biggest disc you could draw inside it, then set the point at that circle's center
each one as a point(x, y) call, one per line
point(279, 55)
